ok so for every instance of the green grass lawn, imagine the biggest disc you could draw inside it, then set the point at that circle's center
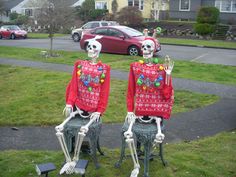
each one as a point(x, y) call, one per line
point(207, 43)
point(208, 157)
point(42, 35)
point(36, 97)
point(183, 69)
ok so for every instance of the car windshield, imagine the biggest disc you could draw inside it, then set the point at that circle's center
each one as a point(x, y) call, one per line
point(132, 32)
point(13, 28)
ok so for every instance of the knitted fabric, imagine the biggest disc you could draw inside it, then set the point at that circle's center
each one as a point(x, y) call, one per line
point(147, 94)
point(89, 86)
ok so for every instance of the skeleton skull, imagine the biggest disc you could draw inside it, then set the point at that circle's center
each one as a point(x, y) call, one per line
point(148, 47)
point(94, 47)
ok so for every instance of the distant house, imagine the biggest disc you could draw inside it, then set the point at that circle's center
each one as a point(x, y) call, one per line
point(30, 7)
point(149, 8)
point(8, 6)
point(187, 9)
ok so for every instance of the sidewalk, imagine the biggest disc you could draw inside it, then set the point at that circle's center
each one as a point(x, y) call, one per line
point(198, 123)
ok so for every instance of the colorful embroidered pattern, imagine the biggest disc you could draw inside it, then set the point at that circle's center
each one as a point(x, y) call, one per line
point(91, 80)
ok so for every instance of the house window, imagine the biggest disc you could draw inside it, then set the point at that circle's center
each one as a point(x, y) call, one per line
point(101, 5)
point(184, 5)
point(226, 5)
point(137, 3)
point(29, 12)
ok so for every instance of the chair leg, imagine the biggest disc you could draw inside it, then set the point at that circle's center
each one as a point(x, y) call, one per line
point(147, 149)
point(99, 148)
point(161, 154)
point(122, 151)
point(94, 151)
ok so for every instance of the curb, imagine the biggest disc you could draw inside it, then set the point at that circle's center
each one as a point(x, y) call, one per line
point(200, 46)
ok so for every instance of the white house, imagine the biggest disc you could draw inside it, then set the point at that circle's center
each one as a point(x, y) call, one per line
point(8, 5)
point(29, 7)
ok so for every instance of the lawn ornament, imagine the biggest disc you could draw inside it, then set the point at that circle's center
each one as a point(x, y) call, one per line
point(87, 94)
point(150, 84)
point(158, 30)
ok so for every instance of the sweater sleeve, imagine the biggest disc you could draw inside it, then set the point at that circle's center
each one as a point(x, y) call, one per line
point(104, 93)
point(72, 92)
point(168, 90)
point(131, 91)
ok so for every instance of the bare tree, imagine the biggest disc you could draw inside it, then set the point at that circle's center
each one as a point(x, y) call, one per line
point(1, 7)
point(53, 16)
point(114, 6)
point(130, 16)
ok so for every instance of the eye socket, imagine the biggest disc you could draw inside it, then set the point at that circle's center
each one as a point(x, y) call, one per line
point(94, 46)
point(89, 46)
point(148, 46)
point(143, 46)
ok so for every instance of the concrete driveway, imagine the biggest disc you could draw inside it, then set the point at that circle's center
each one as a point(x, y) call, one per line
point(197, 54)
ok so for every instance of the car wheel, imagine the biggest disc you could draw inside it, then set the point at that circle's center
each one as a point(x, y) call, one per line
point(133, 51)
point(76, 37)
point(12, 36)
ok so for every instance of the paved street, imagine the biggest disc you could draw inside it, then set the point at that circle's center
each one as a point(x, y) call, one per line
point(198, 54)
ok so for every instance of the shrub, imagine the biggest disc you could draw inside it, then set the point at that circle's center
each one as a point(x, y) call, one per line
point(130, 16)
point(204, 28)
point(208, 15)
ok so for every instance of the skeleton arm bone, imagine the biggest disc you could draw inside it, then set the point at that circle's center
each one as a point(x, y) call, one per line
point(168, 67)
point(159, 136)
point(130, 118)
point(60, 127)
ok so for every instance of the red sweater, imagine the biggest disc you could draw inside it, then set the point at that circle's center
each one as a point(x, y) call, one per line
point(147, 94)
point(89, 86)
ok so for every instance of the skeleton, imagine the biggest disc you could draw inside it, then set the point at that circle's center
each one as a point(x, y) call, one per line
point(94, 48)
point(148, 48)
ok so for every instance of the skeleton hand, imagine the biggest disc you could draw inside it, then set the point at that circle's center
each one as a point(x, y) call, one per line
point(59, 128)
point(159, 138)
point(168, 65)
point(84, 129)
point(67, 110)
point(128, 134)
point(130, 117)
point(95, 115)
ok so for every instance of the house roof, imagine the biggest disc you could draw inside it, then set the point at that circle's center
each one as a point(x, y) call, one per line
point(9, 4)
point(71, 2)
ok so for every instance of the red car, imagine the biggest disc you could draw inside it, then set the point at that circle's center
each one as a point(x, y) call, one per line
point(12, 32)
point(117, 39)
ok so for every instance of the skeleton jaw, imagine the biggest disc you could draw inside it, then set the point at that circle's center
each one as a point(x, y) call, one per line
point(92, 54)
point(147, 55)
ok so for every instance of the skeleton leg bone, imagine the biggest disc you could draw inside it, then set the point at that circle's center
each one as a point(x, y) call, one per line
point(68, 167)
point(80, 138)
point(130, 141)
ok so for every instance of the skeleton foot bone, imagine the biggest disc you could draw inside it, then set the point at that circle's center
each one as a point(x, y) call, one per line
point(68, 168)
point(135, 172)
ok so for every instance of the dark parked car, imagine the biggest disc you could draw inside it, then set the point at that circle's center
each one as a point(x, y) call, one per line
point(118, 39)
point(12, 32)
